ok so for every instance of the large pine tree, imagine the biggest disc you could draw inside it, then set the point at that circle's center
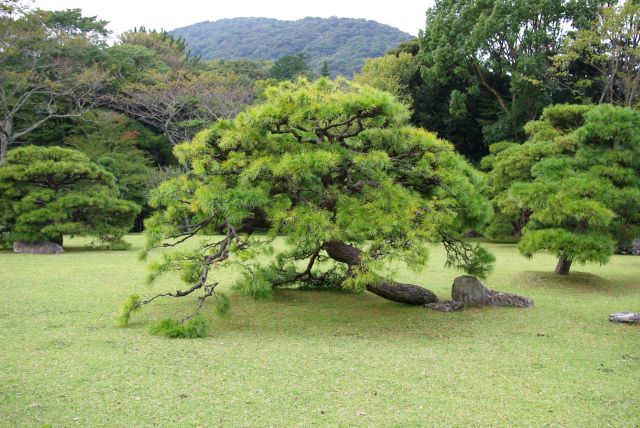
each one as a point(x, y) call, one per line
point(335, 169)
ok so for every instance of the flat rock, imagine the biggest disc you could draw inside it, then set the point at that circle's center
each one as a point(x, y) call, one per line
point(630, 248)
point(44, 247)
point(626, 317)
point(470, 291)
point(446, 306)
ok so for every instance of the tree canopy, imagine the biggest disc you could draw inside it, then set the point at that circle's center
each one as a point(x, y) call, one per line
point(334, 168)
point(491, 61)
point(48, 192)
point(47, 68)
point(289, 67)
point(610, 46)
point(574, 184)
point(112, 141)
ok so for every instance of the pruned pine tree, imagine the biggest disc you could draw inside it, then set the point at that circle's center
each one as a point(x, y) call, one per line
point(332, 167)
point(49, 192)
point(577, 180)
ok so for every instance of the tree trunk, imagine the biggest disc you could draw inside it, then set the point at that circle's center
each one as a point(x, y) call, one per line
point(563, 266)
point(521, 222)
point(4, 145)
point(58, 240)
point(390, 290)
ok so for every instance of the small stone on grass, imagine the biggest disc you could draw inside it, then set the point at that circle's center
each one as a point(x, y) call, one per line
point(626, 317)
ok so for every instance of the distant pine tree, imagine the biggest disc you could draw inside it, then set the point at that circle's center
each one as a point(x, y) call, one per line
point(324, 71)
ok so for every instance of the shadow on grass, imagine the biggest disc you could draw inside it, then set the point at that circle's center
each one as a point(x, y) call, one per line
point(315, 314)
point(575, 281)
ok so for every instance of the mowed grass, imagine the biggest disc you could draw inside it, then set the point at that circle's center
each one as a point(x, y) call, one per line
point(315, 358)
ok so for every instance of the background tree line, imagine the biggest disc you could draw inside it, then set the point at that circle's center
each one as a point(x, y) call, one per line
point(481, 70)
point(124, 106)
point(480, 75)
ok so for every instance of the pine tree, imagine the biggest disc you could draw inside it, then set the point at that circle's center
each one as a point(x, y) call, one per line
point(576, 179)
point(48, 192)
point(324, 71)
point(335, 169)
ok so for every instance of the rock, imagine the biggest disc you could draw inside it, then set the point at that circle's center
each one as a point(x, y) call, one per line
point(470, 291)
point(508, 299)
point(626, 317)
point(446, 306)
point(630, 248)
point(44, 247)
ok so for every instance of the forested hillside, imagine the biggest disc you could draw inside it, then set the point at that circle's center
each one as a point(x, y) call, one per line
point(343, 43)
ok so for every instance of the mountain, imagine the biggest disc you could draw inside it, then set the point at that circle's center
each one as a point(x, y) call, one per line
point(343, 42)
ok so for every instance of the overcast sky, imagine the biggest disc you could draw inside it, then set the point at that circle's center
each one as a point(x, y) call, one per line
point(407, 15)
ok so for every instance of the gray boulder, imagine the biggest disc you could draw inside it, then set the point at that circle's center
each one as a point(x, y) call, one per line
point(44, 247)
point(470, 291)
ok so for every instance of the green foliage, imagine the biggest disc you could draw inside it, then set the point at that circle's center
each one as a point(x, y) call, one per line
point(257, 284)
point(582, 248)
point(48, 69)
point(249, 70)
point(491, 61)
point(599, 60)
point(194, 328)
point(222, 304)
point(129, 63)
point(290, 67)
point(453, 110)
point(168, 49)
point(315, 162)
point(476, 261)
point(128, 307)
point(576, 179)
point(343, 43)
point(71, 22)
point(48, 192)
point(110, 140)
point(392, 73)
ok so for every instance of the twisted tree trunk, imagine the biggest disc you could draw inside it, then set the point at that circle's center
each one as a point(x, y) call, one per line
point(387, 289)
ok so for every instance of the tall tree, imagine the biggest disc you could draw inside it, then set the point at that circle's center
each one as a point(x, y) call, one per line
point(47, 68)
point(503, 48)
point(611, 46)
point(450, 110)
point(333, 167)
point(169, 49)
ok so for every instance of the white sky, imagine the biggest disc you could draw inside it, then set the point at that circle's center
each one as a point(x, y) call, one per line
point(407, 15)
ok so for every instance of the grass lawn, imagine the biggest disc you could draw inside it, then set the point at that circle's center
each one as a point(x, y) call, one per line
point(311, 358)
